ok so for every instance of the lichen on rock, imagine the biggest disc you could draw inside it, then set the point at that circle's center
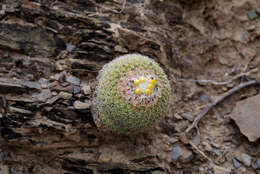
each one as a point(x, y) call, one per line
point(133, 92)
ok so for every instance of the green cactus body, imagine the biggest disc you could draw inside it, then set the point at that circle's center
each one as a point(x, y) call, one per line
point(133, 92)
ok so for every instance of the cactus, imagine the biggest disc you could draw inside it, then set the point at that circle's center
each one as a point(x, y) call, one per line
point(133, 92)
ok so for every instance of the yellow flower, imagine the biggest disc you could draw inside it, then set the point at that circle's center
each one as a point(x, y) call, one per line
point(138, 91)
point(136, 82)
point(142, 79)
point(150, 86)
point(152, 81)
point(147, 91)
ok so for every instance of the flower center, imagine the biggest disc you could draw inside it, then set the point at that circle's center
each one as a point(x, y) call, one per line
point(140, 87)
point(144, 85)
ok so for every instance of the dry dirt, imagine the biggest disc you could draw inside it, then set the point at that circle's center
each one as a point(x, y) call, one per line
point(48, 47)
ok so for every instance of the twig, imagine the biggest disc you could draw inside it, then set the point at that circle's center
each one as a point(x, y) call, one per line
point(220, 99)
point(222, 83)
point(200, 152)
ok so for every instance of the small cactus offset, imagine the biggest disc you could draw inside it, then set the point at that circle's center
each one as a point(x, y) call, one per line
point(133, 92)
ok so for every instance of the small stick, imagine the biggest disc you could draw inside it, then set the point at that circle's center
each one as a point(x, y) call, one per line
point(220, 99)
point(222, 83)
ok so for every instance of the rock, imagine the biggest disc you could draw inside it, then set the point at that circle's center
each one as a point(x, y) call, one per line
point(76, 89)
point(157, 172)
point(65, 95)
point(245, 159)
point(61, 65)
point(236, 163)
point(32, 85)
point(221, 170)
point(72, 79)
point(173, 140)
point(257, 10)
point(19, 110)
point(252, 14)
point(256, 164)
point(188, 116)
point(86, 89)
point(82, 105)
point(61, 88)
point(29, 77)
point(70, 47)
point(53, 99)
point(176, 153)
point(44, 82)
point(44, 95)
point(187, 155)
point(60, 77)
point(247, 116)
point(203, 98)
point(196, 140)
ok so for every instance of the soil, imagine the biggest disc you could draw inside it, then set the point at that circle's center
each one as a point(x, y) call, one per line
point(50, 49)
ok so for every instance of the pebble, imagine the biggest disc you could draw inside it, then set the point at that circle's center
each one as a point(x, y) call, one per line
point(32, 85)
point(188, 116)
point(176, 153)
point(44, 95)
point(19, 110)
point(70, 47)
point(221, 170)
point(43, 82)
point(86, 89)
point(203, 98)
point(187, 155)
point(53, 99)
point(72, 79)
point(196, 140)
point(236, 163)
point(60, 77)
point(29, 77)
point(82, 105)
point(245, 159)
point(252, 14)
point(76, 89)
point(257, 10)
point(173, 140)
point(256, 164)
point(65, 95)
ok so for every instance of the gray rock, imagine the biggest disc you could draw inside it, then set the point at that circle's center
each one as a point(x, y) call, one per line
point(29, 77)
point(72, 79)
point(196, 140)
point(53, 99)
point(86, 89)
point(252, 14)
point(236, 163)
point(70, 47)
point(176, 153)
point(65, 95)
point(44, 82)
point(76, 89)
point(44, 95)
point(188, 116)
point(257, 10)
point(203, 98)
point(19, 110)
point(245, 159)
point(32, 85)
point(256, 164)
point(82, 105)
point(173, 140)
point(60, 77)
point(221, 170)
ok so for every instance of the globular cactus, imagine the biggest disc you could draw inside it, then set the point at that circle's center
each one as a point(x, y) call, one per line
point(133, 92)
